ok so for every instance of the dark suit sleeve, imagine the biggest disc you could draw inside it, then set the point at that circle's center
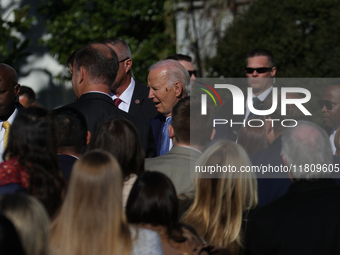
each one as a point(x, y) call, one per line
point(141, 106)
point(151, 149)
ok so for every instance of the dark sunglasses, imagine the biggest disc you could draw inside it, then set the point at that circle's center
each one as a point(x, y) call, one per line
point(328, 104)
point(194, 72)
point(124, 59)
point(258, 70)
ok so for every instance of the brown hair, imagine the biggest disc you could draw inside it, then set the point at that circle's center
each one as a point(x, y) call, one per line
point(252, 138)
point(120, 138)
point(189, 125)
point(91, 220)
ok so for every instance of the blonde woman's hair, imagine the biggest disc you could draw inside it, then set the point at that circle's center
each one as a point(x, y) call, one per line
point(219, 204)
point(91, 219)
point(30, 219)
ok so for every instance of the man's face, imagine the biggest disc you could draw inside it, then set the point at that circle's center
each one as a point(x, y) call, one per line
point(8, 91)
point(190, 68)
point(331, 117)
point(256, 80)
point(163, 96)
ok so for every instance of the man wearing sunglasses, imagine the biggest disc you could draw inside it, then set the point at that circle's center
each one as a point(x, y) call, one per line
point(260, 71)
point(330, 108)
point(128, 94)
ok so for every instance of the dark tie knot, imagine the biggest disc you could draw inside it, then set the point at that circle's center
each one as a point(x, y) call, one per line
point(256, 102)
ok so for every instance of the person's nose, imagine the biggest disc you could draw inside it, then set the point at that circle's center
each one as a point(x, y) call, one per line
point(255, 74)
point(151, 95)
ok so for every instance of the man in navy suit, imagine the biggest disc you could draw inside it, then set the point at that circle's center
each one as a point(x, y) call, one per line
point(306, 219)
point(168, 81)
point(274, 185)
point(132, 93)
point(72, 137)
point(94, 68)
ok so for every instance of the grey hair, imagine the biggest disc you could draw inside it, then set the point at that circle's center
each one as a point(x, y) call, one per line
point(124, 49)
point(307, 145)
point(175, 72)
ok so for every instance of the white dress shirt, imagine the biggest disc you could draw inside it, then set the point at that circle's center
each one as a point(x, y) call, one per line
point(331, 139)
point(126, 96)
point(2, 132)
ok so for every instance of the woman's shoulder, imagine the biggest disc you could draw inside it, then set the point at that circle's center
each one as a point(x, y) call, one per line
point(145, 241)
point(11, 171)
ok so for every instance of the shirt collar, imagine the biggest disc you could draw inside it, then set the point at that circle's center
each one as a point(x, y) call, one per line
point(264, 94)
point(12, 117)
point(127, 94)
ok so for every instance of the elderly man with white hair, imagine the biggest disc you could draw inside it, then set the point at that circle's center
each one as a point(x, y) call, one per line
point(306, 219)
point(169, 81)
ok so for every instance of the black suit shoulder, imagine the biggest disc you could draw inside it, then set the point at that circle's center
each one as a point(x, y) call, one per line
point(97, 107)
point(141, 105)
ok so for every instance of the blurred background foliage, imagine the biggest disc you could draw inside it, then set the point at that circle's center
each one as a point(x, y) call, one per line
point(12, 44)
point(146, 25)
point(303, 35)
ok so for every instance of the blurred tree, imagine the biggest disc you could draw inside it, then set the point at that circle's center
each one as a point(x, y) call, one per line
point(303, 35)
point(146, 25)
point(12, 42)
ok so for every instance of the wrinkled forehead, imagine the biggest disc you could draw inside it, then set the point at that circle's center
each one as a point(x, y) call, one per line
point(158, 76)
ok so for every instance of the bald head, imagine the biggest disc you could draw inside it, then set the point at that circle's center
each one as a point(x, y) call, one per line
point(8, 73)
point(9, 89)
point(99, 61)
point(125, 73)
point(307, 143)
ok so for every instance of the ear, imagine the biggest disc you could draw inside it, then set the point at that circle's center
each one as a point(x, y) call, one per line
point(213, 133)
point(128, 65)
point(273, 72)
point(88, 137)
point(82, 76)
point(178, 87)
point(171, 131)
point(16, 90)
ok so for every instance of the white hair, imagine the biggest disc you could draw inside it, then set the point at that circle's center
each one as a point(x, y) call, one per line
point(307, 145)
point(175, 72)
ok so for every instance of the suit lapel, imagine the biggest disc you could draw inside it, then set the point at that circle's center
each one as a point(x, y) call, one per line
point(137, 99)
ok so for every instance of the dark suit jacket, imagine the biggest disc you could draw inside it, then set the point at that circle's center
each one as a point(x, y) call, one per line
point(304, 221)
point(97, 107)
point(271, 186)
point(66, 163)
point(157, 123)
point(141, 106)
point(226, 112)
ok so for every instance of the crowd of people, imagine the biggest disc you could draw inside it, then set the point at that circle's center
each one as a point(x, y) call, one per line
point(115, 172)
